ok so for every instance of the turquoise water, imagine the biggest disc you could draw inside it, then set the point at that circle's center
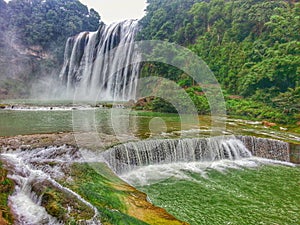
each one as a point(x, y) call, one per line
point(265, 195)
point(34, 119)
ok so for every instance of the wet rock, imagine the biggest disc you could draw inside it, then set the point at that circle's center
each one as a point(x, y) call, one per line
point(2, 106)
point(61, 204)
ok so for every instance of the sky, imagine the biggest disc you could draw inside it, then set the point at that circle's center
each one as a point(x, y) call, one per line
point(117, 10)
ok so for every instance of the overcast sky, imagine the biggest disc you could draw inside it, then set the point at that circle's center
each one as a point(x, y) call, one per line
point(117, 10)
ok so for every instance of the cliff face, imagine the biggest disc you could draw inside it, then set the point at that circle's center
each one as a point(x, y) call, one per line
point(20, 65)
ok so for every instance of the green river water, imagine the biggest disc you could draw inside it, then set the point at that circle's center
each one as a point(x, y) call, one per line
point(260, 194)
point(36, 118)
point(265, 195)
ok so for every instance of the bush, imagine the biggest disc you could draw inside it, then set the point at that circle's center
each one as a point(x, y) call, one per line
point(256, 110)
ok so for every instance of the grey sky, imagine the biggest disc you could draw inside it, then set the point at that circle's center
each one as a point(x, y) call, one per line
point(117, 10)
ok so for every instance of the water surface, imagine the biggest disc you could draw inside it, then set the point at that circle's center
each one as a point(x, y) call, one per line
point(264, 195)
point(64, 117)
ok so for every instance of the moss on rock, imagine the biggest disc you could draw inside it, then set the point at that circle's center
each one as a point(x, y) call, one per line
point(6, 188)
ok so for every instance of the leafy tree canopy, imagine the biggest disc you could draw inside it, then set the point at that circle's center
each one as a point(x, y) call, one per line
point(252, 46)
point(49, 22)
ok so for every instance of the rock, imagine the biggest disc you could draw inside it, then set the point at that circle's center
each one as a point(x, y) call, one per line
point(3, 91)
point(269, 124)
point(144, 101)
point(2, 106)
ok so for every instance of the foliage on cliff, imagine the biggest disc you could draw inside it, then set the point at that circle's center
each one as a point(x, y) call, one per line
point(252, 46)
point(47, 23)
point(32, 39)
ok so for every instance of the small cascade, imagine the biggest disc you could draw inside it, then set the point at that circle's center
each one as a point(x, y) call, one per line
point(34, 168)
point(126, 157)
point(93, 71)
point(267, 148)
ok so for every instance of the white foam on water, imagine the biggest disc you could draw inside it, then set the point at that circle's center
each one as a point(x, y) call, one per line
point(28, 212)
point(152, 174)
point(48, 108)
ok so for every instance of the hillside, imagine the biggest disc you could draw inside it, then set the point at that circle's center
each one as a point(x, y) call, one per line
point(252, 47)
point(32, 39)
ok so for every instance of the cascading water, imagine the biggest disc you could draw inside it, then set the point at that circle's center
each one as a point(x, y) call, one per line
point(138, 163)
point(126, 157)
point(267, 148)
point(91, 69)
point(147, 162)
point(35, 168)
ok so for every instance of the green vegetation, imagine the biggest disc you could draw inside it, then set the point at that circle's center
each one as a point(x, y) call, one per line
point(252, 47)
point(266, 195)
point(6, 189)
point(252, 109)
point(32, 40)
point(99, 191)
point(117, 202)
point(47, 23)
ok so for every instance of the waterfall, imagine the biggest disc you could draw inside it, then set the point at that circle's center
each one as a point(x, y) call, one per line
point(126, 157)
point(267, 148)
point(33, 170)
point(91, 69)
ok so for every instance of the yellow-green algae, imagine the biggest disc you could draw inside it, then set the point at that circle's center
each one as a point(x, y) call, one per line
point(117, 202)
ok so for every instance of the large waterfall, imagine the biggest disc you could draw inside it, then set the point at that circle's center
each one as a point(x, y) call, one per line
point(92, 66)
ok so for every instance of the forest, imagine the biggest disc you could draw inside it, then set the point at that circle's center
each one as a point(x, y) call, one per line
point(251, 46)
point(32, 40)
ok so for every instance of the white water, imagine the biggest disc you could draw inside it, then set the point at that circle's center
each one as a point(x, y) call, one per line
point(91, 67)
point(32, 167)
point(131, 156)
point(148, 162)
point(47, 108)
point(138, 163)
point(152, 174)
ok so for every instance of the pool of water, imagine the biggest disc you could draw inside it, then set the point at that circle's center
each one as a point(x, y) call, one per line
point(27, 118)
point(266, 194)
